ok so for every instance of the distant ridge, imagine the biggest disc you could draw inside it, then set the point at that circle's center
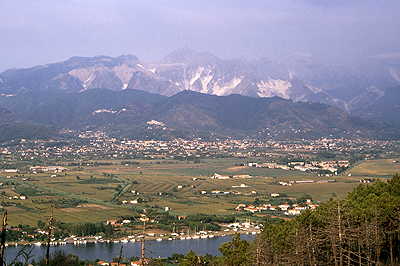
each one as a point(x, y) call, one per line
point(190, 114)
point(385, 109)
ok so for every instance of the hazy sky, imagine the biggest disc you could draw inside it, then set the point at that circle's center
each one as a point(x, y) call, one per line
point(34, 32)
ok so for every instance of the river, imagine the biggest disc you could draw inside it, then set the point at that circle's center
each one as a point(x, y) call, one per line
point(107, 251)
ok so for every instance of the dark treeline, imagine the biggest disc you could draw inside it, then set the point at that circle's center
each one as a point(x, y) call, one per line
point(89, 229)
point(195, 222)
point(89, 163)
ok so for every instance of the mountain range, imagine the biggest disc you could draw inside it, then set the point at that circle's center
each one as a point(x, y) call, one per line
point(133, 91)
point(141, 115)
point(186, 69)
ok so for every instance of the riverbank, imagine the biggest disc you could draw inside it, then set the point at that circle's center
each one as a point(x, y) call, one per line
point(241, 228)
point(106, 251)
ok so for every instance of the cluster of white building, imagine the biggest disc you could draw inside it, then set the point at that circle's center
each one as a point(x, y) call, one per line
point(331, 166)
point(287, 209)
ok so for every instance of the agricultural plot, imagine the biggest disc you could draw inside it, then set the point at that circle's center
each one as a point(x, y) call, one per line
point(382, 168)
point(95, 193)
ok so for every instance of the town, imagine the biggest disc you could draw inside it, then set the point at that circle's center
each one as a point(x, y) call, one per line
point(98, 145)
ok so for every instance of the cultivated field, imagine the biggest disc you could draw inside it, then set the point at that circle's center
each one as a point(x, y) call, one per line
point(382, 168)
point(91, 193)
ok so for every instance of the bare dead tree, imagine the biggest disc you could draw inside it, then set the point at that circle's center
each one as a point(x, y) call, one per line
point(3, 238)
point(263, 251)
point(332, 236)
point(120, 255)
point(311, 244)
point(49, 232)
point(144, 261)
point(143, 241)
point(301, 247)
point(50, 228)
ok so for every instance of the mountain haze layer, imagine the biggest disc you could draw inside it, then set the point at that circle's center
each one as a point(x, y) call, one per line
point(186, 69)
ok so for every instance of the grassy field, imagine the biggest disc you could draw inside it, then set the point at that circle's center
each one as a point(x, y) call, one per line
point(167, 183)
point(383, 168)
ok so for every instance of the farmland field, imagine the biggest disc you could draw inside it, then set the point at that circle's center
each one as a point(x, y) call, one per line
point(382, 168)
point(99, 193)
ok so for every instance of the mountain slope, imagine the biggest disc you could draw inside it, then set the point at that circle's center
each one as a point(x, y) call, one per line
point(385, 109)
point(15, 128)
point(238, 115)
point(188, 114)
point(186, 69)
point(59, 109)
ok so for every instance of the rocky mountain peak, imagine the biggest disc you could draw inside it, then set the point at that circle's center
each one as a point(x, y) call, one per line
point(189, 56)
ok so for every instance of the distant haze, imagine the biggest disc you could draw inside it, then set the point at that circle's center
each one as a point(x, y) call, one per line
point(323, 31)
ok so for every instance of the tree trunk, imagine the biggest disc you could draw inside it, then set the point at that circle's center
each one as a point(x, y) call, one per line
point(49, 236)
point(311, 248)
point(359, 254)
point(3, 238)
point(340, 236)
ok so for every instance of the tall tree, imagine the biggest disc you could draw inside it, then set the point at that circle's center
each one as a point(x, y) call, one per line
point(236, 252)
